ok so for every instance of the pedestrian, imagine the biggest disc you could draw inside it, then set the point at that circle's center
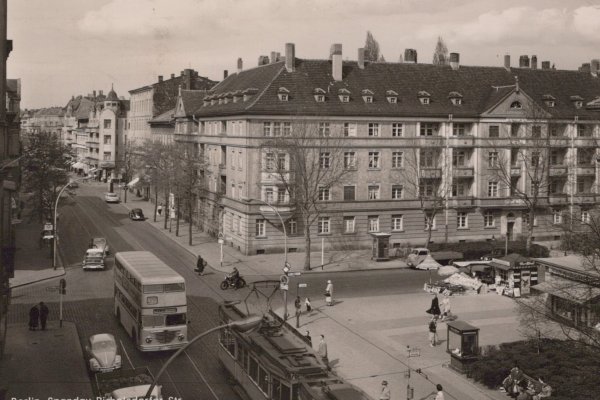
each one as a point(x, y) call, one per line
point(446, 307)
point(323, 351)
point(200, 265)
point(440, 392)
point(298, 306)
point(34, 316)
point(329, 293)
point(307, 336)
point(44, 311)
point(307, 304)
point(385, 391)
point(435, 307)
point(432, 332)
point(159, 209)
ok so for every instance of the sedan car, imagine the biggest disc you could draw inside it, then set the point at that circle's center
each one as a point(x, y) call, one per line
point(111, 197)
point(102, 353)
point(99, 243)
point(136, 214)
point(73, 185)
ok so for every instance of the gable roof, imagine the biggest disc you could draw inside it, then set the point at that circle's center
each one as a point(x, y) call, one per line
point(192, 100)
point(474, 83)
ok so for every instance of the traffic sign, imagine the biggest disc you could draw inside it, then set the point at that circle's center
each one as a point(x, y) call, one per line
point(283, 287)
point(295, 274)
point(48, 227)
point(284, 279)
point(303, 285)
point(221, 241)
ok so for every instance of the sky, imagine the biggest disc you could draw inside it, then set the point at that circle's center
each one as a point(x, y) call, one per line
point(64, 48)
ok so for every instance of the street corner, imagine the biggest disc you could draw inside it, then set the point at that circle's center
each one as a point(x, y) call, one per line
point(27, 277)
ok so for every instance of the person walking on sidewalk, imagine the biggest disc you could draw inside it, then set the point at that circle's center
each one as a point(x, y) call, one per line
point(385, 391)
point(435, 307)
point(307, 336)
point(432, 332)
point(446, 307)
point(200, 265)
point(308, 305)
point(323, 351)
point(34, 316)
point(329, 293)
point(298, 307)
point(44, 311)
point(159, 209)
point(439, 394)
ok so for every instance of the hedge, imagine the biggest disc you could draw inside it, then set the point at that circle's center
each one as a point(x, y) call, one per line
point(476, 250)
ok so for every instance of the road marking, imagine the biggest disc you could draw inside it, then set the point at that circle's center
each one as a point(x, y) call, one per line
point(174, 385)
point(201, 375)
point(126, 355)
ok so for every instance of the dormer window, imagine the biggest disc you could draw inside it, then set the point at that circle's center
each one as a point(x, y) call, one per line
point(455, 98)
point(237, 95)
point(283, 94)
point(424, 97)
point(367, 95)
point(248, 93)
point(578, 104)
point(577, 101)
point(391, 96)
point(516, 105)
point(549, 100)
point(319, 95)
point(344, 95)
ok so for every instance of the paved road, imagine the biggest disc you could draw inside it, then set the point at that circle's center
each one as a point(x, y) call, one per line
point(197, 373)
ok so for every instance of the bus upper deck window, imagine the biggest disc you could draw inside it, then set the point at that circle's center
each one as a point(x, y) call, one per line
point(174, 287)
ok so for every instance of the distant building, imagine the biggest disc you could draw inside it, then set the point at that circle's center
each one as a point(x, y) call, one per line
point(47, 120)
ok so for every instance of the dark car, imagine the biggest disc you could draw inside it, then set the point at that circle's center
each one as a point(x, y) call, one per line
point(136, 214)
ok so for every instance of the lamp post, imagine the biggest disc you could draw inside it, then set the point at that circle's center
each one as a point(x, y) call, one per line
point(55, 215)
point(245, 324)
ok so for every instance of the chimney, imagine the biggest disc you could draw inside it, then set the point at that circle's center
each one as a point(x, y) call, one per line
point(585, 67)
point(263, 60)
point(524, 62)
point(595, 65)
point(336, 61)
point(361, 58)
point(172, 76)
point(290, 56)
point(454, 61)
point(240, 65)
point(410, 56)
point(101, 93)
point(545, 64)
point(534, 62)
point(225, 73)
point(273, 57)
point(278, 56)
point(94, 93)
point(507, 61)
point(160, 78)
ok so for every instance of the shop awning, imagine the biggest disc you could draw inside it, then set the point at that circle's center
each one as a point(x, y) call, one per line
point(133, 182)
point(78, 165)
point(575, 292)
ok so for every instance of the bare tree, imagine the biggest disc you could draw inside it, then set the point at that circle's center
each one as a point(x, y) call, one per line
point(128, 162)
point(440, 54)
point(371, 48)
point(157, 163)
point(308, 161)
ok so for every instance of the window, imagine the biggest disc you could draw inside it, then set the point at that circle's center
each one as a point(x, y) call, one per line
point(107, 123)
point(373, 129)
point(492, 189)
point(426, 188)
point(261, 227)
point(397, 223)
point(287, 128)
point(462, 220)
point(555, 157)
point(270, 161)
point(584, 157)
point(458, 158)
point(585, 217)
point(427, 159)
point(525, 217)
point(344, 98)
point(269, 195)
point(234, 224)
point(581, 187)
point(107, 156)
point(293, 227)
point(373, 192)
point(514, 130)
point(556, 217)
point(397, 192)
point(349, 129)
point(233, 190)
point(276, 128)
point(458, 189)
point(554, 187)
point(555, 130)
point(578, 104)
point(397, 129)
point(283, 96)
point(535, 158)
point(488, 219)
point(516, 105)
point(281, 195)
point(536, 131)
point(429, 222)
point(428, 129)
point(107, 139)
point(325, 160)
point(458, 129)
point(349, 160)
point(397, 159)
point(494, 131)
point(581, 131)
point(493, 159)
point(392, 99)
point(324, 129)
point(320, 98)
point(323, 225)
point(373, 223)
point(239, 159)
point(324, 194)
point(267, 131)
point(424, 100)
point(281, 164)
point(349, 193)
point(349, 224)
point(374, 160)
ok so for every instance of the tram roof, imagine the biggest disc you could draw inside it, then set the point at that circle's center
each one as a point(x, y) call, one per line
point(148, 268)
point(336, 390)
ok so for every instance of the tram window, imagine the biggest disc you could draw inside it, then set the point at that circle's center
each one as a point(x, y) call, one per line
point(176, 319)
point(228, 341)
point(263, 380)
point(253, 369)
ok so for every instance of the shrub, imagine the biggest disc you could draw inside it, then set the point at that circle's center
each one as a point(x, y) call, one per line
point(476, 250)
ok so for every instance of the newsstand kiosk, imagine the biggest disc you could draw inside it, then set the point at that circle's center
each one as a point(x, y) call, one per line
point(462, 344)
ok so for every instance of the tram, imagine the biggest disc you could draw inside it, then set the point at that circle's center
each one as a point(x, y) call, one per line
point(276, 362)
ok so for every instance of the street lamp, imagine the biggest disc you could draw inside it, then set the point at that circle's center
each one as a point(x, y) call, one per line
point(56, 213)
point(243, 325)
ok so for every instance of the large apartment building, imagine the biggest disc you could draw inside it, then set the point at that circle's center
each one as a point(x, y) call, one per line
point(458, 122)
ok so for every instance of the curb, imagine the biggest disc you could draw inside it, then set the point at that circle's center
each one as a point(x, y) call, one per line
point(59, 267)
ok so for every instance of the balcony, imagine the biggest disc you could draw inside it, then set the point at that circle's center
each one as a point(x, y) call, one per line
point(429, 141)
point(460, 202)
point(463, 172)
point(558, 199)
point(558, 170)
point(270, 178)
point(585, 141)
point(515, 171)
point(107, 164)
point(461, 141)
point(585, 198)
point(560, 142)
point(431, 173)
point(586, 170)
point(500, 202)
point(268, 212)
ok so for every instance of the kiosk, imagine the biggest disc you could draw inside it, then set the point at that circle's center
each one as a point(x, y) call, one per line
point(381, 246)
point(462, 344)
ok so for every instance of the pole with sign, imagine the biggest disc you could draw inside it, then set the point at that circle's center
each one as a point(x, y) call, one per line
point(221, 241)
point(62, 289)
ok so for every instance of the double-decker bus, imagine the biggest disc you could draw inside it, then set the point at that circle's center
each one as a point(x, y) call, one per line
point(275, 362)
point(150, 301)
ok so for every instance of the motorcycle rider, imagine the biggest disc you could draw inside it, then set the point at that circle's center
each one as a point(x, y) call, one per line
point(234, 277)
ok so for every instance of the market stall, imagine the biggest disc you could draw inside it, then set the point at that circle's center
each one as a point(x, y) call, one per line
point(514, 275)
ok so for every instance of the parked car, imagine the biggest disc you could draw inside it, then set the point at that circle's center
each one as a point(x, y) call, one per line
point(102, 352)
point(73, 185)
point(136, 214)
point(99, 243)
point(111, 197)
point(418, 255)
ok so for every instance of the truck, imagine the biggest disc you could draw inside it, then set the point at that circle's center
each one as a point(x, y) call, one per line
point(417, 255)
point(125, 384)
point(96, 254)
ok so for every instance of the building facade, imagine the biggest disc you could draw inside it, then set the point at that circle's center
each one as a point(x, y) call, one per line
point(459, 124)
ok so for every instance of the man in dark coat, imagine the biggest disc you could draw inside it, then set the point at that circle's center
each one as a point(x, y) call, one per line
point(435, 307)
point(44, 311)
point(200, 265)
point(34, 316)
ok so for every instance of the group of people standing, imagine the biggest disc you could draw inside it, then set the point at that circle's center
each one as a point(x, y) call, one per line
point(437, 313)
point(38, 315)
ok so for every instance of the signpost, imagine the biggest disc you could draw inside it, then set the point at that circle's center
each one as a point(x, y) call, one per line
point(221, 241)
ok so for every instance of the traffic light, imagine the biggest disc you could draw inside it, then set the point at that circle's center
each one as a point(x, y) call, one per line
point(63, 286)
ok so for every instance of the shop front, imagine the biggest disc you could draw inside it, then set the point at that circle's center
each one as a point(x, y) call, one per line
point(514, 275)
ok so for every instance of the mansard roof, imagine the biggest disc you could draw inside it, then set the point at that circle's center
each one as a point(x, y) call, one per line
point(480, 87)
